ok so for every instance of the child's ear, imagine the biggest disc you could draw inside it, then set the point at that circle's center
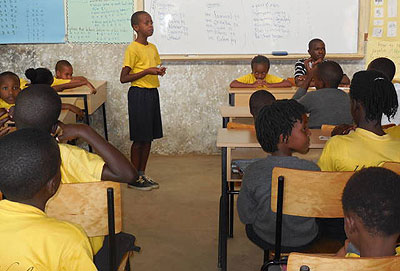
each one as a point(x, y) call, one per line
point(53, 185)
point(136, 28)
point(350, 224)
point(58, 74)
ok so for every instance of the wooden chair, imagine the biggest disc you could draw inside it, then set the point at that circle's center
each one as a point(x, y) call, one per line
point(393, 166)
point(304, 193)
point(317, 262)
point(95, 206)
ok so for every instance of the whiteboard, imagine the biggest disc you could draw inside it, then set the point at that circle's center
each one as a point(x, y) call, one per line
point(185, 27)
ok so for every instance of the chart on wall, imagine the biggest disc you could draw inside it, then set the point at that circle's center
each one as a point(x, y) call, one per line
point(100, 21)
point(32, 21)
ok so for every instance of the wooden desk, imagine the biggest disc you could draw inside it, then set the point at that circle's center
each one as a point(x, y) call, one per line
point(241, 96)
point(67, 116)
point(229, 112)
point(228, 140)
point(89, 102)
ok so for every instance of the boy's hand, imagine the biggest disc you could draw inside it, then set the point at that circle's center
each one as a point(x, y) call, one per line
point(310, 64)
point(11, 112)
point(70, 131)
point(4, 131)
point(156, 71)
point(92, 88)
point(163, 70)
point(260, 83)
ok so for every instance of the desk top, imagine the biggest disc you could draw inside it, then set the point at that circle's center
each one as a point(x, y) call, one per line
point(232, 138)
point(83, 90)
point(235, 112)
point(291, 90)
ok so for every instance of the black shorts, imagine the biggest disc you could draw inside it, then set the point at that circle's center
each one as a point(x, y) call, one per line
point(144, 114)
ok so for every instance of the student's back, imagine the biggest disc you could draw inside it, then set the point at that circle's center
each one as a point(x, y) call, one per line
point(30, 175)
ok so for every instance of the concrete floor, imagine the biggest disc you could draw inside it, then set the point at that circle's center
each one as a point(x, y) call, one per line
point(177, 225)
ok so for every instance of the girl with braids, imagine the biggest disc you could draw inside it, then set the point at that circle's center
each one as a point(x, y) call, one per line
point(282, 129)
point(372, 95)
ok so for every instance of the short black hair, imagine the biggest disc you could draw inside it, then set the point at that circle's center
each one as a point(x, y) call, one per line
point(330, 72)
point(373, 195)
point(37, 106)
point(376, 94)
point(258, 99)
point(29, 159)
point(61, 64)
point(259, 59)
point(6, 74)
point(383, 65)
point(275, 120)
point(39, 76)
point(311, 42)
point(135, 17)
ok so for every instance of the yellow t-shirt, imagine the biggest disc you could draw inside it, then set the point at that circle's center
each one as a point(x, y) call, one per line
point(357, 150)
point(81, 166)
point(4, 104)
point(22, 83)
point(393, 131)
point(139, 57)
point(251, 79)
point(30, 240)
point(57, 81)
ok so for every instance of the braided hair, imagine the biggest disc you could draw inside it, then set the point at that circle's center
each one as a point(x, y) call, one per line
point(376, 94)
point(275, 120)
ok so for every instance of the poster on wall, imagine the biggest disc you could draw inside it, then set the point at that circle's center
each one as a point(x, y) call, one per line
point(28, 21)
point(100, 21)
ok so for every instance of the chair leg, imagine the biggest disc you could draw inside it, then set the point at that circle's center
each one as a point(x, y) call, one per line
point(231, 208)
point(266, 255)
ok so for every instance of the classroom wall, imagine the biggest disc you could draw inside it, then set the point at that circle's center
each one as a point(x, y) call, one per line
point(191, 91)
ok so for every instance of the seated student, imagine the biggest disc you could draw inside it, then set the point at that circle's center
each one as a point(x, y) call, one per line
point(44, 76)
point(281, 130)
point(39, 106)
point(371, 95)
point(30, 176)
point(371, 209)
point(259, 76)
point(388, 68)
point(257, 100)
point(316, 49)
point(64, 79)
point(328, 104)
point(9, 89)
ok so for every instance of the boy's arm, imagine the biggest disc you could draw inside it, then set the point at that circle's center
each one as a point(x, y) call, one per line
point(87, 83)
point(126, 77)
point(73, 109)
point(117, 167)
point(72, 84)
point(303, 86)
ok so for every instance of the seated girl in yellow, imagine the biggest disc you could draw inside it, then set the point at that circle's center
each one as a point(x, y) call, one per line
point(371, 214)
point(64, 79)
point(259, 76)
point(9, 89)
point(371, 95)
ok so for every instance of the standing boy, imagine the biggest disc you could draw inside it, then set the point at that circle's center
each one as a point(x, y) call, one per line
point(141, 67)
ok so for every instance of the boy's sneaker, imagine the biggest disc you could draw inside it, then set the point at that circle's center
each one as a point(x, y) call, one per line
point(154, 185)
point(141, 184)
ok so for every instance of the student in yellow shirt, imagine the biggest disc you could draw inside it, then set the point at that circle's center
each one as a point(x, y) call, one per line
point(9, 89)
point(141, 68)
point(30, 176)
point(39, 106)
point(371, 95)
point(64, 79)
point(259, 76)
point(371, 209)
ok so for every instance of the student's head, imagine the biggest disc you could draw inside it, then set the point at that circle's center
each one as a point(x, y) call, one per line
point(258, 100)
point(383, 65)
point(372, 95)
point(9, 87)
point(328, 74)
point(142, 23)
point(30, 163)
point(39, 76)
point(37, 106)
point(64, 70)
point(371, 204)
point(316, 49)
point(260, 66)
point(283, 125)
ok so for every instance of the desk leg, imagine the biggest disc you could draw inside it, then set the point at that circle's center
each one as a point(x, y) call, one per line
point(231, 207)
point(232, 99)
point(223, 215)
point(86, 110)
point(225, 121)
point(105, 121)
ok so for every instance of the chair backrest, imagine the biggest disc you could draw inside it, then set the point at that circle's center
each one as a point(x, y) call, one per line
point(393, 166)
point(86, 204)
point(310, 193)
point(317, 262)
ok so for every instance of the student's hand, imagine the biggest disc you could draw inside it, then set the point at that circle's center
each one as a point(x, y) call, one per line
point(342, 251)
point(11, 111)
point(69, 132)
point(310, 64)
point(301, 78)
point(79, 112)
point(4, 131)
point(163, 70)
point(259, 83)
point(92, 88)
point(154, 71)
point(343, 129)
